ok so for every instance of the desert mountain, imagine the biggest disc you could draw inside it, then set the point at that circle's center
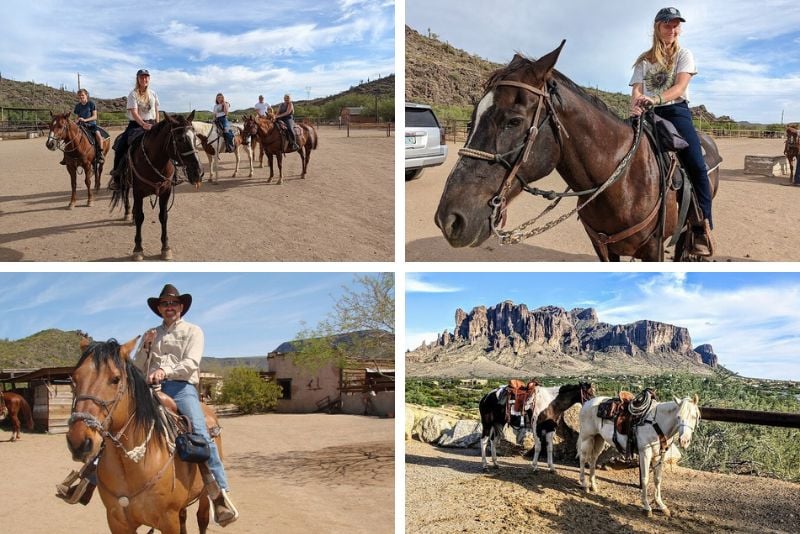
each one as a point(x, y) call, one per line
point(509, 340)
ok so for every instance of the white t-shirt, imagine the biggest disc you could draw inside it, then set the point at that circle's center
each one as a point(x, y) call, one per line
point(219, 110)
point(655, 79)
point(146, 109)
point(261, 107)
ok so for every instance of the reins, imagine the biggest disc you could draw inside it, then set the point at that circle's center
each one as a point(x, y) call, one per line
point(166, 182)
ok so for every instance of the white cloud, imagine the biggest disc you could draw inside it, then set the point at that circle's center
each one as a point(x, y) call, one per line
point(415, 284)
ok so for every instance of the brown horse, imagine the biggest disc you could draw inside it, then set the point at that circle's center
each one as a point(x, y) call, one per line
point(16, 404)
point(78, 151)
point(150, 171)
point(115, 416)
point(274, 143)
point(532, 120)
point(213, 144)
point(792, 148)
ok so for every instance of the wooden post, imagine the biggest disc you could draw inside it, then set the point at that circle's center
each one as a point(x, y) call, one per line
point(750, 417)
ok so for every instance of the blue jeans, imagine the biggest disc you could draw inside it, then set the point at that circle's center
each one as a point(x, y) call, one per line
point(289, 122)
point(691, 157)
point(188, 401)
point(225, 126)
point(796, 172)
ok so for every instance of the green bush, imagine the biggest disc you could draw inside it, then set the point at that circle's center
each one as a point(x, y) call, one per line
point(245, 388)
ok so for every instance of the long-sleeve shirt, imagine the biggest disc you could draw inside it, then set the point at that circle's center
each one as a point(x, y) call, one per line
point(177, 350)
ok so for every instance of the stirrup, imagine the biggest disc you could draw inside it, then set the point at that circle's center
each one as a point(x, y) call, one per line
point(73, 494)
point(228, 512)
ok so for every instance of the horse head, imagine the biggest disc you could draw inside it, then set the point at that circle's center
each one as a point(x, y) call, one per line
point(103, 382)
point(515, 139)
point(182, 146)
point(59, 130)
point(688, 419)
point(587, 391)
point(250, 126)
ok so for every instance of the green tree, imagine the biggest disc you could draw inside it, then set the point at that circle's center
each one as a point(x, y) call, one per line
point(360, 325)
point(245, 388)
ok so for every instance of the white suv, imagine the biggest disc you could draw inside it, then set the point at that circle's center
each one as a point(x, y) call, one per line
point(425, 142)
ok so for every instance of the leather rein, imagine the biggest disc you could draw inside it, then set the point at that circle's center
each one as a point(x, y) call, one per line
point(499, 202)
point(176, 155)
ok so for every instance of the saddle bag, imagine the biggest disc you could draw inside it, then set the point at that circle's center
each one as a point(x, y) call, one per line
point(668, 135)
point(192, 447)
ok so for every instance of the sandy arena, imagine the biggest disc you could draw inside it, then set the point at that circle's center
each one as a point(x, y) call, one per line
point(342, 211)
point(755, 217)
point(288, 473)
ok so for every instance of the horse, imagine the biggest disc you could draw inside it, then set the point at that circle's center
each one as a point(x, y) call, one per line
point(274, 143)
point(78, 151)
point(492, 408)
point(547, 422)
point(791, 148)
point(213, 143)
point(532, 120)
point(151, 162)
point(15, 405)
point(115, 416)
point(662, 422)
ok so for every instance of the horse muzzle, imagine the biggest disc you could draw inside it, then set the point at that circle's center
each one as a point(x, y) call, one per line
point(462, 230)
point(82, 442)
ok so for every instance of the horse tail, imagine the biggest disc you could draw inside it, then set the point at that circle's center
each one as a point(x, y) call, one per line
point(25, 409)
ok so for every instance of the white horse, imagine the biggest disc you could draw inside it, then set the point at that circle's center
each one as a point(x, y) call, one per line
point(679, 417)
point(492, 410)
point(213, 144)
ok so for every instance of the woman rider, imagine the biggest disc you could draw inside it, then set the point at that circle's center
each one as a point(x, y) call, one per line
point(286, 115)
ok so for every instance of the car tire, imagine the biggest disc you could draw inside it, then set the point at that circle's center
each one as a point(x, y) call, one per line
point(413, 174)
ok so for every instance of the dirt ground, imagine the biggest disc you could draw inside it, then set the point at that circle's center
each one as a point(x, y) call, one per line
point(288, 473)
point(755, 217)
point(342, 211)
point(446, 491)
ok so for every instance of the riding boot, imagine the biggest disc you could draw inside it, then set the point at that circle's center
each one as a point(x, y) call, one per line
point(100, 157)
point(702, 242)
point(63, 160)
point(225, 512)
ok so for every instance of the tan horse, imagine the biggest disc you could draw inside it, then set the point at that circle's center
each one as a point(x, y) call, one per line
point(213, 143)
point(115, 416)
point(792, 147)
point(274, 143)
point(78, 152)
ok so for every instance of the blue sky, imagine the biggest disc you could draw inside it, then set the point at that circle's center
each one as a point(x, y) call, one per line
point(196, 48)
point(241, 314)
point(751, 319)
point(747, 53)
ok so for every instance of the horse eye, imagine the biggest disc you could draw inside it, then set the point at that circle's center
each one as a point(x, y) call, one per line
point(514, 123)
point(116, 380)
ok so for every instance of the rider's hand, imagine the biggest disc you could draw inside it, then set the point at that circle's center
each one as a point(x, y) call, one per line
point(146, 126)
point(157, 376)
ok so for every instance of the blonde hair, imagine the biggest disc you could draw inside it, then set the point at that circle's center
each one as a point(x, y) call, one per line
point(660, 53)
point(143, 99)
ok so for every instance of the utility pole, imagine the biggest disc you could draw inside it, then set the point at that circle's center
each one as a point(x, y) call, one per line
point(308, 92)
point(782, 117)
point(79, 81)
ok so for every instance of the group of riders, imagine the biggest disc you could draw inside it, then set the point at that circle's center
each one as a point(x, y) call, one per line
point(142, 112)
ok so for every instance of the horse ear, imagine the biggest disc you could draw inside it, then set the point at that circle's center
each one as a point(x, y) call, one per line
point(677, 400)
point(126, 349)
point(190, 118)
point(548, 62)
point(696, 399)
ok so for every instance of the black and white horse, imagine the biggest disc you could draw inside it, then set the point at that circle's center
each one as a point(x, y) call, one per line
point(547, 421)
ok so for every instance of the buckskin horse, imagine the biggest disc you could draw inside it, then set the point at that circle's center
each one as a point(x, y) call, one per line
point(78, 151)
point(213, 143)
point(150, 170)
point(532, 120)
point(15, 405)
point(115, 416)
point(662, 423)
point(274, 143)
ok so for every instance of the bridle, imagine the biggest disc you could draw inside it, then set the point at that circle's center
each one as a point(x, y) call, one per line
point(499, 201)
point(173, 152)
point(61, 141)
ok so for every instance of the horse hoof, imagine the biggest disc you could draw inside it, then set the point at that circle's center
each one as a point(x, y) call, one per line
point(89, 204)
point(666, 512)
point(166, 254)
point(70, 206)
point(648, 513)
point(137, 256)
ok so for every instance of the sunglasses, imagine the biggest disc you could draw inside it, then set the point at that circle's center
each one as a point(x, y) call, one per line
point(168, 303)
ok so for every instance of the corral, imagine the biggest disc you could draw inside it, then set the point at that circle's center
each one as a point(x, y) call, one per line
point(342, 211)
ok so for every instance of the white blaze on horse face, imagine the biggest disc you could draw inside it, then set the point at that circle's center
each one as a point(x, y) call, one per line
point(483, 106)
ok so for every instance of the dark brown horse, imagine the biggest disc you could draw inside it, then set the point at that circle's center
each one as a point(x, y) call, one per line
point(274, 143)
point(532, 120)
point(150, 171)
point(115, 415)
point(15, 405)
point(78, 152)
point(792, 148)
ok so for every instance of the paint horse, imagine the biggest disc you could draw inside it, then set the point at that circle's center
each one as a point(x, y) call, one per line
point(546, 423)
point(661, 424)
point(511, 404)
point(79, 152)
point(213, 143)
point(14, 404)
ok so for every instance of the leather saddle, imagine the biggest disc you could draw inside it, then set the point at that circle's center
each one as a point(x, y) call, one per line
point(517, 394)
point(626, 413)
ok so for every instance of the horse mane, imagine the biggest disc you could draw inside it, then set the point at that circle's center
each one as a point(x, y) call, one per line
point(521, 62)
point(146, 412)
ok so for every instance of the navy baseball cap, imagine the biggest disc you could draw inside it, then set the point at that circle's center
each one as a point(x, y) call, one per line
point(669, 13)
point(145, 72)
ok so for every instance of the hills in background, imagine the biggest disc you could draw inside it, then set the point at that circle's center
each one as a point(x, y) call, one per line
point(439, 74)
point(507, 339)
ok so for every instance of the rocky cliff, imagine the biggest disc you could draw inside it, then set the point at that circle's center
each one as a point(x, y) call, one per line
point(509, 337)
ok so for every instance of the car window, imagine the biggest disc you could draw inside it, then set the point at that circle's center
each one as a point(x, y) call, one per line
point(420, 118)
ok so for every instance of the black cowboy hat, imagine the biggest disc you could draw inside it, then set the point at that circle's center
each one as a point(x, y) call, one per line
point(669, 13)
point(170, 291)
